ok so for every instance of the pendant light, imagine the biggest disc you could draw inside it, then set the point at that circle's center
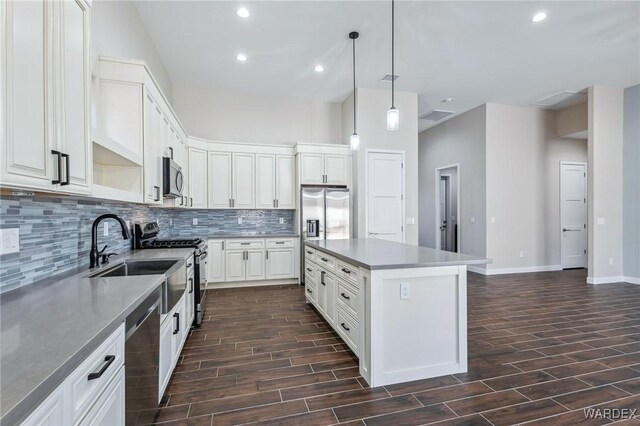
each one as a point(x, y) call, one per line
point(355, 139)
point(393, 115)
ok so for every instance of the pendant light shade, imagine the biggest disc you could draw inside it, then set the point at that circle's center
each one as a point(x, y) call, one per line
point(393, 115)
point(354, 142)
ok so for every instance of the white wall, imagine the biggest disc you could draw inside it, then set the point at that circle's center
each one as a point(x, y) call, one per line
point(605, 184)
point(458, 140)
point(243, 117)
point(572, 120)
point(372, 106)
point(631, 183)
point(117, 30)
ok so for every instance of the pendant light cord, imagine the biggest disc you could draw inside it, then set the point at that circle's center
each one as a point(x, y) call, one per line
point(354, 85)
point(393, 74)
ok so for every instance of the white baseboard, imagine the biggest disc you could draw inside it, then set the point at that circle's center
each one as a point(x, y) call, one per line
point(632, 280)
point(523, 270)
point(605, 280)
point(260, 283)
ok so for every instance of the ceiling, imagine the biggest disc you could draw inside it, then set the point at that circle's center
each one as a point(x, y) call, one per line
point(473, 52)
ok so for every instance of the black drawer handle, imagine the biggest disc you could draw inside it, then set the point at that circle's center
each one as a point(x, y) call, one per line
point(177, 317)
point(66, 160)
point(108, 360)
point(309, 269)
point(279, 242)
point(345, 296)
point(346, 271)
point(344, 326)
point(309, 252)
point(189, 265)
point(190, 285)
point(324, 259)
point(309, 291)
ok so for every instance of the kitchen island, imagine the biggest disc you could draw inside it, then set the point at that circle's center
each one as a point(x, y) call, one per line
point(402, 309)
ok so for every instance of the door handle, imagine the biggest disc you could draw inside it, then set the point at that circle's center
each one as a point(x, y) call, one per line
point(277, 203)
point(190, 285)
point(57, 180)
point(177, 317)
point(157, 189)
point(66, 160)
point(108, 360)
point(171, 151)
point(191, 203)
point(344, 326)
point(345, 296)
point(569, 230)
point(267, 252)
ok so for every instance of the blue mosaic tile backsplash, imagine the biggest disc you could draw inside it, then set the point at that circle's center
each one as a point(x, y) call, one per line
point(55, 232)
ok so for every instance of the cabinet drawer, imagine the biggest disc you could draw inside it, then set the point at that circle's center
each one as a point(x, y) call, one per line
point(279, 242)
point(309, 253)
point(348, 298)
point(245, 244)
point(311, 291)
point(310, 270)
point(326, 261)
point(347, 272)
point(348, 329)
point(92, 376)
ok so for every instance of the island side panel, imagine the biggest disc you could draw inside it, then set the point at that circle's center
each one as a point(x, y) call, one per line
point(420, 337)
point(364, 318)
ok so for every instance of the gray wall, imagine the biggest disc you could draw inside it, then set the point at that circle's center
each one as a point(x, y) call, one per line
point(459, 140)
point(631, 182)
point(55, 232)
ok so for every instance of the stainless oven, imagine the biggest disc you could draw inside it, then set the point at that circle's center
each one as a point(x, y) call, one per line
point(172, 179)
point(201, 282)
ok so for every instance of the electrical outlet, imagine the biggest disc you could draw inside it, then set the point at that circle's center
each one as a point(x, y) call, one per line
point(239, 221)
point(9, 240)
point(521, 253)
point(611, 261)
point(105, 229)
point(405, 291)
point(170, 222)
point(281, 220)
point(195, 220)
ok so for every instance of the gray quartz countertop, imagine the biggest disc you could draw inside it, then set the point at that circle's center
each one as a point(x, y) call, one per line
point(254, 235)
point(375, 254)
point(48, 328)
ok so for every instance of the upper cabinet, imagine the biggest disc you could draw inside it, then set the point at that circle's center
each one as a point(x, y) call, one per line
point(231, 180)
point(219, 180)
point(243, 181)
point(275, 181)
point(323, 164)
point(197, 178)
point(45, 67)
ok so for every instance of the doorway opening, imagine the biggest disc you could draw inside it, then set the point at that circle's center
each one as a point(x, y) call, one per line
point(448, 208)
point(573, 215)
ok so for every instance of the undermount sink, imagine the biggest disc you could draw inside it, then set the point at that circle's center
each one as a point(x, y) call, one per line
point(136, 267)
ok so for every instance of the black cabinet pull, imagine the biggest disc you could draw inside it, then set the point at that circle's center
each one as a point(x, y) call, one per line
point(171, 151)
point(346, 271)
point(190, 285)
point(189, 265)
point(309, 252)
point(322, 277)
point(66, 160)
point(191, 203)
point(57, 180)
point(345, 296)
point(157, 190)
point(279, 242)
point(344, 326)
point(309, 269)
point(267, 252)
point(177, 317)
point(309, 291)
point(108, 360)
point(324, 259)
point(244, 244)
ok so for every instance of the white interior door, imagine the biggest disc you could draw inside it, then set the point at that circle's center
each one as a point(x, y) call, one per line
point(385, 196)
point(573, 215)
point(444, 214)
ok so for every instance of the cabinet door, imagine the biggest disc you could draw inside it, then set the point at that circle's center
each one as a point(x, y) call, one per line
point(216, 261)
point(179, 328)
point(50, 412)
point(336, 169)
point(280, 263)
point(153, 133)
point(189, 304)
point(109, 408)
point(219, 180)
point(243, 181)
point(255, 265)
point(26, 158)
point(321, 300)
point(74, 129)
point(166, 357)
point(235, 265)
point(330, 298)
point(311, 169)
point(265, 181)
point(285, 182)
point(198, 178)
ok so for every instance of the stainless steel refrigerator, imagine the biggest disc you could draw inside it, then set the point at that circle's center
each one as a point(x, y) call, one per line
point(324, 215)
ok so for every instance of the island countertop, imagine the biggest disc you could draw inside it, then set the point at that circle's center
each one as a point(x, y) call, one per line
point(374, 254)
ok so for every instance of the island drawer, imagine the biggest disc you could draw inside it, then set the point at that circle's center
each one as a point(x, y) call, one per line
point(92, 376)
point(310, 270)
point(326, 261)
point(348, 297)
point(347, 272)
point(348, 329)
point(279, 242)
point(309, 253)
point(311, 291)
point(244, 244)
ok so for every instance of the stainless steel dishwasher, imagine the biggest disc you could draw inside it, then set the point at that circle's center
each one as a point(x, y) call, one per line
point(141, 360)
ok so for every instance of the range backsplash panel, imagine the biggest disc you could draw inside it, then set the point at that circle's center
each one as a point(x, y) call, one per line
point(55, 232)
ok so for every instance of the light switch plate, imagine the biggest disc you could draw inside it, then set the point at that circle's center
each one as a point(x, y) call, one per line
point(405, 291)
point(239, 221)
point(9, 240)
point(195, 220)
point(411, 221)
point(600, 221)
point(281, 221)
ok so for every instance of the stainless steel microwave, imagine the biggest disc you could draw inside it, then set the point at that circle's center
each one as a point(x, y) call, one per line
point(172, 179)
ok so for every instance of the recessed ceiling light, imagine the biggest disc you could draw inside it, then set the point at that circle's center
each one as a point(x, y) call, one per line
point(446, 100)
point(319, 68)
point(243, 12)
point(241, 57)
point(539, 17)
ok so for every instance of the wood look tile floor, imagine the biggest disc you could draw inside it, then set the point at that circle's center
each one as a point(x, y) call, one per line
point(542, 348)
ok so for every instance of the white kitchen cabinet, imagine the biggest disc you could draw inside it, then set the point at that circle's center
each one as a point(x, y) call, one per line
point(197, 178)
point(285, 182)
point(255, 265)
point(245, 265)
point(178, 319)
point(46, 144)
point(51, 412)
point(265, 181)
point(216, 261)
point(280, 263)
point(109, 409)
point(219, 180)
point(318, 169)
point(330, 301)
point(235, 265)
point(153, 149)
point(243, 181)
point(166, 354)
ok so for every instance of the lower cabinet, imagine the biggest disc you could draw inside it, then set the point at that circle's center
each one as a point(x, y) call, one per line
point(252, 259)
point(51, 412)
point(173, 332)
point(280, 263)
point(109, 410)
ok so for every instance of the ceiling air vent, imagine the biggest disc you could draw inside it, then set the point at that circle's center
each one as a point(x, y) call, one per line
point(436, 115)
point(389, 77)
point(560, 99)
